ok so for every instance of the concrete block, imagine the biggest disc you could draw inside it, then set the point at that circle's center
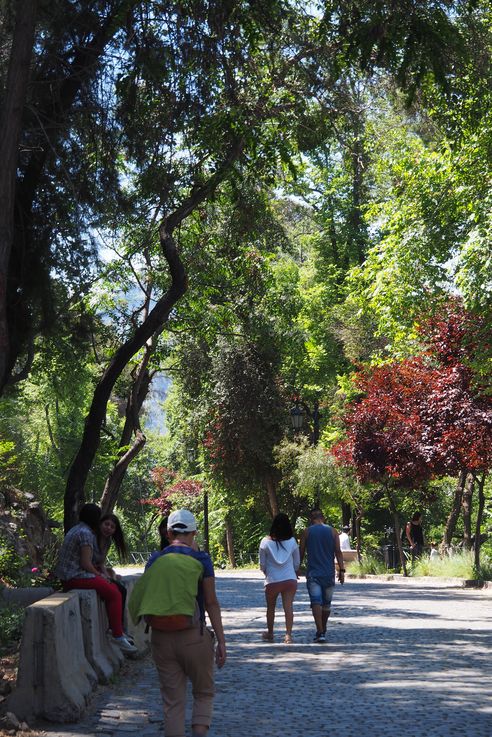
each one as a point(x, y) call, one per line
point(55, 679)
point(110, 651)
point(98, 651)
point(141, 639)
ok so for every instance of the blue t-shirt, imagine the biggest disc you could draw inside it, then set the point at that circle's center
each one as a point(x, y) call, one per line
point(320, 548)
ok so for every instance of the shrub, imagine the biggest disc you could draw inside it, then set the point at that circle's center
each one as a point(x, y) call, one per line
point(459, 565)
point(368, 565)
point(13, 567)
point(11, 620)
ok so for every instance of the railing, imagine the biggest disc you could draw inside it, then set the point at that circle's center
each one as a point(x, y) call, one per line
point(135, 558)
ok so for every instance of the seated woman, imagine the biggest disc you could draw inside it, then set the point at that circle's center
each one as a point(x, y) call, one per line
point(110, 532)
point(77, 571)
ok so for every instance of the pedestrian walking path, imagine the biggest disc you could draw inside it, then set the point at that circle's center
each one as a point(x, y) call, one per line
point(399, 658)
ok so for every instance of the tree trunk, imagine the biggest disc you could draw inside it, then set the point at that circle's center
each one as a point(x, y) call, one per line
point(115, 478)
point(11, 128)
point(454, 513)
point(346, 514)
point(138, 393)
point(154, 322)
point(272, 495)
point(396, 525)
point(358, 538)
point(478, 524)
point(466, 508)
point(230, 543)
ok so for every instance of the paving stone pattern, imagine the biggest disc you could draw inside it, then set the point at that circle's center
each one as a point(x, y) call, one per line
point(399, 659)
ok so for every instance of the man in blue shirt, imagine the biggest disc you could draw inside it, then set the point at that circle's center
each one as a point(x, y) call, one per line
point(322, 545)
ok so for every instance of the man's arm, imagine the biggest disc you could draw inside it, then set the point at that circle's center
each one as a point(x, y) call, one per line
point(339, 557)
point(407, 532)
point(213, 610)
point(302, 546)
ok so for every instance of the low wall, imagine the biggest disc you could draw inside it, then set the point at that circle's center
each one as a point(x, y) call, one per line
point(65, 651)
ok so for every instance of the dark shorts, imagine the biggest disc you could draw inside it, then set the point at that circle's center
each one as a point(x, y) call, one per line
point(280, 587)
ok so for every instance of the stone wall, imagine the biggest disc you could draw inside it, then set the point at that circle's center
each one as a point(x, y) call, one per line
point(65, 652)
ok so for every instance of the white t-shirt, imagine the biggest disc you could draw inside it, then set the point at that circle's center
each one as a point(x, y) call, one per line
point(344, 541)
point(279, 560)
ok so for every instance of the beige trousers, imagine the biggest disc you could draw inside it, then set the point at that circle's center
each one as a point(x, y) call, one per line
point(179, 656)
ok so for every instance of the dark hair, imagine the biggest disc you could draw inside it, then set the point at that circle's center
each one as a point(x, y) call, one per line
point(281, 528)
point(416, 516)
point(316, 513)
point(90, 514)
point(117, 537)
point(163, 532)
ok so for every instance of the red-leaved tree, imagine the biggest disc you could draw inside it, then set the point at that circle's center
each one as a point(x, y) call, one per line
point(426, 416)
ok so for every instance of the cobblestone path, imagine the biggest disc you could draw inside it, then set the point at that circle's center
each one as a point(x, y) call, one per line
point(400, 659)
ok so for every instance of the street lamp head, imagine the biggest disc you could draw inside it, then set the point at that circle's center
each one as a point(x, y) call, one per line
point(297, 417)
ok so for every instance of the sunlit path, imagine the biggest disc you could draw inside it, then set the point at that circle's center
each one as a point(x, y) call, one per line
point(396, 654)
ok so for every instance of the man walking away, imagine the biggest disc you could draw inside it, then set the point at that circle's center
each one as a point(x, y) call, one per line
point(177, 587)
point(322, 544)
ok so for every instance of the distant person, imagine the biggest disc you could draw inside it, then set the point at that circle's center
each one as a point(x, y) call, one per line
point(415, 535)
point(322, 545)
point(76, 570)
point(178, 586)
point(434, 553)
point(279, 561)
point(164, 540)
point(345, 539)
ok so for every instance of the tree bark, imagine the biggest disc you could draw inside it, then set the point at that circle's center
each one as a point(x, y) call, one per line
point(11, 128)
point(358, 538)
point(454, 513)
point(478, 523)
point(396, 525)
point(230, 543)
point(272, 495)
point(466, 508)
point(152, 324)
point(346, 514)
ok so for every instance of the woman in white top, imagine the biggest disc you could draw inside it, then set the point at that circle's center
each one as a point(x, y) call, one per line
point(279, 561)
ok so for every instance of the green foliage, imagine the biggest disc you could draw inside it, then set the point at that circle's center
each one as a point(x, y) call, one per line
point(367, 566)
point(459, 565)
point(11, 622)
point(14, 569)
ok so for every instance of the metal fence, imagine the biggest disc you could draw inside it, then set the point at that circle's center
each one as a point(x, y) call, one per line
point(135, 558)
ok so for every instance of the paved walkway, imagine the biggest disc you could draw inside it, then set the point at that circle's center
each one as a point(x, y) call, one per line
point(400, 659)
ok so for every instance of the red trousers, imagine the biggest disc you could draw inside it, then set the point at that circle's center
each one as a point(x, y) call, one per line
point(108, 592)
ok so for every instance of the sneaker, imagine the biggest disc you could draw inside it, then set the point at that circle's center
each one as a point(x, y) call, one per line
point(124, 645)
point(319, 637)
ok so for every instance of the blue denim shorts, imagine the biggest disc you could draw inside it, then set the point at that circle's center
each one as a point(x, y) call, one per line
point(320, 591)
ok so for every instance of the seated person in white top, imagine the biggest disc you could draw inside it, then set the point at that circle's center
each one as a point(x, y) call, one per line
point(344, 538)
point(279, 561)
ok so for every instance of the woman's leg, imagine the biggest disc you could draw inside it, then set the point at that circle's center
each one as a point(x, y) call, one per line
point(271, 601)
point(287, 602)
point(109, 594)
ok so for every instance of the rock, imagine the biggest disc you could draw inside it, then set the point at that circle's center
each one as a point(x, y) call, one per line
point(10, 721)
point(5, 688)
point(24, 727)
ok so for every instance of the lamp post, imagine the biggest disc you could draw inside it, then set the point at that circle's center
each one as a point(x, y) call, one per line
point(297, 413)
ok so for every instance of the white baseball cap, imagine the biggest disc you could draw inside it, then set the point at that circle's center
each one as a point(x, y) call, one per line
point(182, 520)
